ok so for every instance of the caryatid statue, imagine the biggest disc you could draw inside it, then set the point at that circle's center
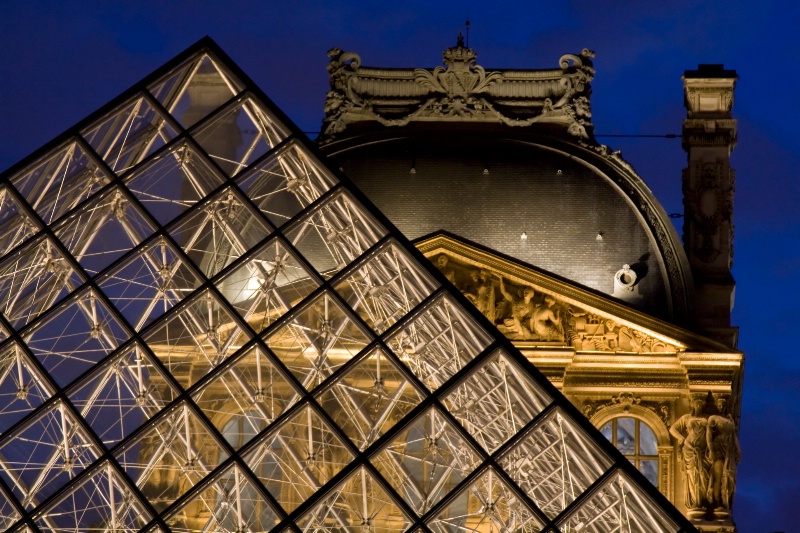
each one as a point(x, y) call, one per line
point(691, 432)
point(724, 454)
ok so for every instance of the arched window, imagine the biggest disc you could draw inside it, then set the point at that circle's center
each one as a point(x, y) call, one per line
point(637, 442)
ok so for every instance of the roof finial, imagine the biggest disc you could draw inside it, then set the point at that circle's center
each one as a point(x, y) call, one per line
point(460, 41)
point(467, 28)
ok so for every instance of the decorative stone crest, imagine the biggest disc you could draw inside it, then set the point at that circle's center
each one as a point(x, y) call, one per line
point(627, 400)
point(462, 90)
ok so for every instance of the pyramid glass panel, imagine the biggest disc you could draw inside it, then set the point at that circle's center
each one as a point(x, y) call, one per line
point(495, 401)
point(105, 229)
point(100, 501)
point(370, 397)
point(43, 454)
point(318, 340)
point(438, 340)
point(617, 505)
point(228, 503)
point(123, 394)
point(149, 283)
point(195, 88)
point(216, 312)
point(486, 504)
point(555, 462)
point(385, 286)
point(269, 283)
point(218, 232)
point(285, 183)
point(129, 134)
point(335, 233)
point(171, 456)
point(172, 181)
point(60, 180)
point(298, 457)
point(33, 280)
point(246, 396)
point(16, 224)
point(195, 338)
point(239, 134)
point(427, 460)
point(358, 504)
point(22, 386)
point(75, 336)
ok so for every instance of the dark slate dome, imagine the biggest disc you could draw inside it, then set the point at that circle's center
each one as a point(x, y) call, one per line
point(574, 211)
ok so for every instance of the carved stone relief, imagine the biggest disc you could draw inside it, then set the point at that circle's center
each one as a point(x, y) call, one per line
point(461, 90)
point(523, 312)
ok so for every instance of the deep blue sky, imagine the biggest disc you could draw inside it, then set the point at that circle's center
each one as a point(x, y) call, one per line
point(62, 60)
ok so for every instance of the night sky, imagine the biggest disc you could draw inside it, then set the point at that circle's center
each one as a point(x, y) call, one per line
point(62, 60)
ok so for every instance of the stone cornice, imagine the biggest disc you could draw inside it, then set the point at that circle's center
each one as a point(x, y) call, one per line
point(461, 91)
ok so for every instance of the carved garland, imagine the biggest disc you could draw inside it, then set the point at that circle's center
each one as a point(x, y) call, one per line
point(627, 399)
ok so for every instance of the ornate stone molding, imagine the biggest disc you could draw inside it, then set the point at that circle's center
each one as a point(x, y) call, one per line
point(625, 400)
point(462, 91)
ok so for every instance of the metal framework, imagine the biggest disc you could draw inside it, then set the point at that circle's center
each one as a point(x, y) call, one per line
point(205, 329)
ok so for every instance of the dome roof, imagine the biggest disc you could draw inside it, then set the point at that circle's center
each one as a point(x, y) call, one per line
point(577, 212)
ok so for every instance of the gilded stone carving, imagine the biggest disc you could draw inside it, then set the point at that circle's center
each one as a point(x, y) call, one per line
point(525, 314)
point(626, 400)
point(690, 432)
point(724, 454)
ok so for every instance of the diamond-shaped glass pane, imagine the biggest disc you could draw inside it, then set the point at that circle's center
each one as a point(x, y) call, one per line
point(487, 504)
point(171, 456)
point(438, 340)
point(369, 398)
point(101, 501)
point(298, 457)
point(104, 230)
point(335, 233)
point(173, 181)
point(426, 460)
point(385, 286)
point(59, 181)
point(316, 341)
point(356, 505)
point(74, 337)
point(219, 232)
point(555, 462)
point(229, 503)
point(129, 134)
point(45, 453)
point(195, 89)
point(496, 400)
point(617, 505)
point(267, 284)
point(120, 396)
point(34, 279)
point(239, 134)
point(16, 224)
point(22, 387)
point(195, 338)
point(149, 283)
point(246, 396)
point(285, 183)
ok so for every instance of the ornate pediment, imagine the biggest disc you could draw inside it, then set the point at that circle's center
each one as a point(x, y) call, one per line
point(534, 308)
point(462, 90)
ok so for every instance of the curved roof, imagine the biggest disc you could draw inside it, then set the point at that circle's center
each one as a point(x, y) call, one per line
point(576, 211)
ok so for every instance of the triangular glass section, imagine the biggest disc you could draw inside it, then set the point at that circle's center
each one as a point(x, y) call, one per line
point(227, 320)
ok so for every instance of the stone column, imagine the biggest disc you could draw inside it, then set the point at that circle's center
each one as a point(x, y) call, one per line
point(709, 136)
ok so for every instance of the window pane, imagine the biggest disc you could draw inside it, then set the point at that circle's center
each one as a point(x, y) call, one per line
point(647, 440)
point(625, 435)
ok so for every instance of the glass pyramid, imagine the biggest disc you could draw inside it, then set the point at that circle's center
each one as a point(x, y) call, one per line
point(206, 328)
